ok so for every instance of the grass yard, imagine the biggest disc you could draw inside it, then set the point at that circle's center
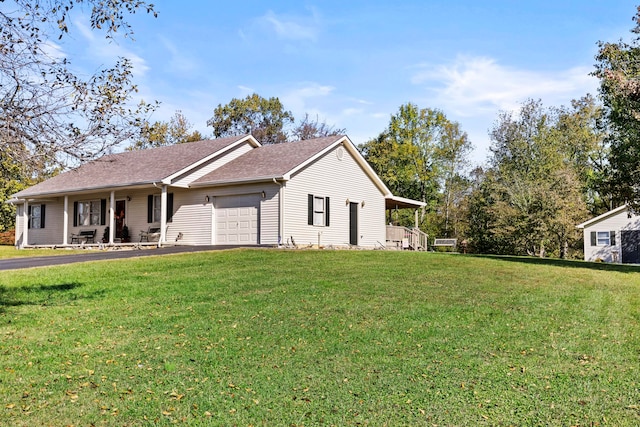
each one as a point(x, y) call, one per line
point(7, 251)
point(301, 338)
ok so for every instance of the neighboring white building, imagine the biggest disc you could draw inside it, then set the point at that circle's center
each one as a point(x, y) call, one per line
point(228, 191)
point(612, 237)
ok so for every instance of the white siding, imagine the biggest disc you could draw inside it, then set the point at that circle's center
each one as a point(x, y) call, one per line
point(191, 223)
point(214, 164)
point(340, 180)
point(617, 223)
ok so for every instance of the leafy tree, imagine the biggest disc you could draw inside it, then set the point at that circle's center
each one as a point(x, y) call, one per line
point(618, 68)
point(46, 110)
point(158, 134)
point(420, 156)
point(264, 118)
point(532, 197)
point(309, 129)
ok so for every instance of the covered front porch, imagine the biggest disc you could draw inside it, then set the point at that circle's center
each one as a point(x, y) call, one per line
point(133, 216)
point(400, 237)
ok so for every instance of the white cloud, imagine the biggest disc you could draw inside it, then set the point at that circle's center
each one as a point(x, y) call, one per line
point(246, 90)
point(289, 27)
point(297, 98)
point(478, 85)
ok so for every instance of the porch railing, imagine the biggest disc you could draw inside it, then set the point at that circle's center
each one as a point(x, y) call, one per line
point(406, 238)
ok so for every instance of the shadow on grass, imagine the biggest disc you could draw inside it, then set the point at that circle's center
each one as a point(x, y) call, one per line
point(622, 268)
point(38, 295)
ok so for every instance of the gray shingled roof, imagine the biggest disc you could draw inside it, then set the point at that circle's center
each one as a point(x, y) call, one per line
point(266, 162)
point(130, 168)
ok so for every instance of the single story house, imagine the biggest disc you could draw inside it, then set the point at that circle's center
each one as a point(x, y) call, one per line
point(227, 191)
point(612, 237)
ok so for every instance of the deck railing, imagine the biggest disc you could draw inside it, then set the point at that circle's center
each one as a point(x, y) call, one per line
point(406, 238)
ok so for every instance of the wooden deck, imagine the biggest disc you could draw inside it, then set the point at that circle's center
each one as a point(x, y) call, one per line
point(403, 238)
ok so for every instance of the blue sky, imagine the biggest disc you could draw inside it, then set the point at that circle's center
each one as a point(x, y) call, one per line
point(353, 63)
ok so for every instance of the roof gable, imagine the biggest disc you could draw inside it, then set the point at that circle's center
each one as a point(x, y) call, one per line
point(604, 216)
point(135, 167)
point(280, 161)
point(269, 161)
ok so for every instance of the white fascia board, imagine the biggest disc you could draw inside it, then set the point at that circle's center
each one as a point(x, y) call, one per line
point(168, 180)
point(407, 201)
point(603, 216)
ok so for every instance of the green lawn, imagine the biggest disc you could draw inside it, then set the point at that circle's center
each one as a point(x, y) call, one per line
point(11, 252)
point(301, 338)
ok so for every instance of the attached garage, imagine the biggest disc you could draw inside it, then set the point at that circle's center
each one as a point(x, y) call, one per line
point(237, 220)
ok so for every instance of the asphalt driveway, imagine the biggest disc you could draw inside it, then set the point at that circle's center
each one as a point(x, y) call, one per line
point(99, 255)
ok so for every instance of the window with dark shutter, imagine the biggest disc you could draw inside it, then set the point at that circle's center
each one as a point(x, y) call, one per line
point(317, 210)
point(150, 208)
point(36, 215)
point(169, 207)
point(326, 212)
point(612, 238)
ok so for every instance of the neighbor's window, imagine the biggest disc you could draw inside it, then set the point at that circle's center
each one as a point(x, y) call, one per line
point(318, 210)
point(89, 212)
point(603, 238)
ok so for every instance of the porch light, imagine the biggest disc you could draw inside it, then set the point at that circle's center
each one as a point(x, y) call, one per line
point(263, 194)
point(362, 204)
point(128, 198)
point(206, 199)
point(347, 202)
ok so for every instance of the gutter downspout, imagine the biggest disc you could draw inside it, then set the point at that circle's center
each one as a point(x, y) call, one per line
point(112, 220)
point(65, 221)
point(163, 216)
point(25, 224)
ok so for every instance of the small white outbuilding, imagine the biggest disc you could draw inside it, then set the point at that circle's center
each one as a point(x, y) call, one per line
point(612, 237)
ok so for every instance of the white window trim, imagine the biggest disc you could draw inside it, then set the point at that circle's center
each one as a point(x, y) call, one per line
point(319, 211)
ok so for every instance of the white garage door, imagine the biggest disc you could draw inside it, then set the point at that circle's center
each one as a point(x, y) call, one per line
point(237, 220)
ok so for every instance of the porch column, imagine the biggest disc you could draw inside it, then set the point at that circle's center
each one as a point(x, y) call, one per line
point(65, 220)
point(25, 224)
point(163, 216)
point(112, 219)
point(416, 219)
point(282, 213)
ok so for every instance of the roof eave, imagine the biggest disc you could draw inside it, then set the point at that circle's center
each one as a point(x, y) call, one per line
point(85, 190)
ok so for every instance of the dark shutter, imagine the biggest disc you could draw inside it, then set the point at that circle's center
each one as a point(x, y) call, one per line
point(29, 217)
point(75, 214)
point(42, 212)
point(310, 210)
point(612, 236)
point(594, 241)
point(326, 212)
point(169, 207)
point(150, 208)
point(103, 211)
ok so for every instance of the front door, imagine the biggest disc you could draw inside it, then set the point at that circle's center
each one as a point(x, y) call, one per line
point(630, 246)
point(120, 217)
point(353, 224)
